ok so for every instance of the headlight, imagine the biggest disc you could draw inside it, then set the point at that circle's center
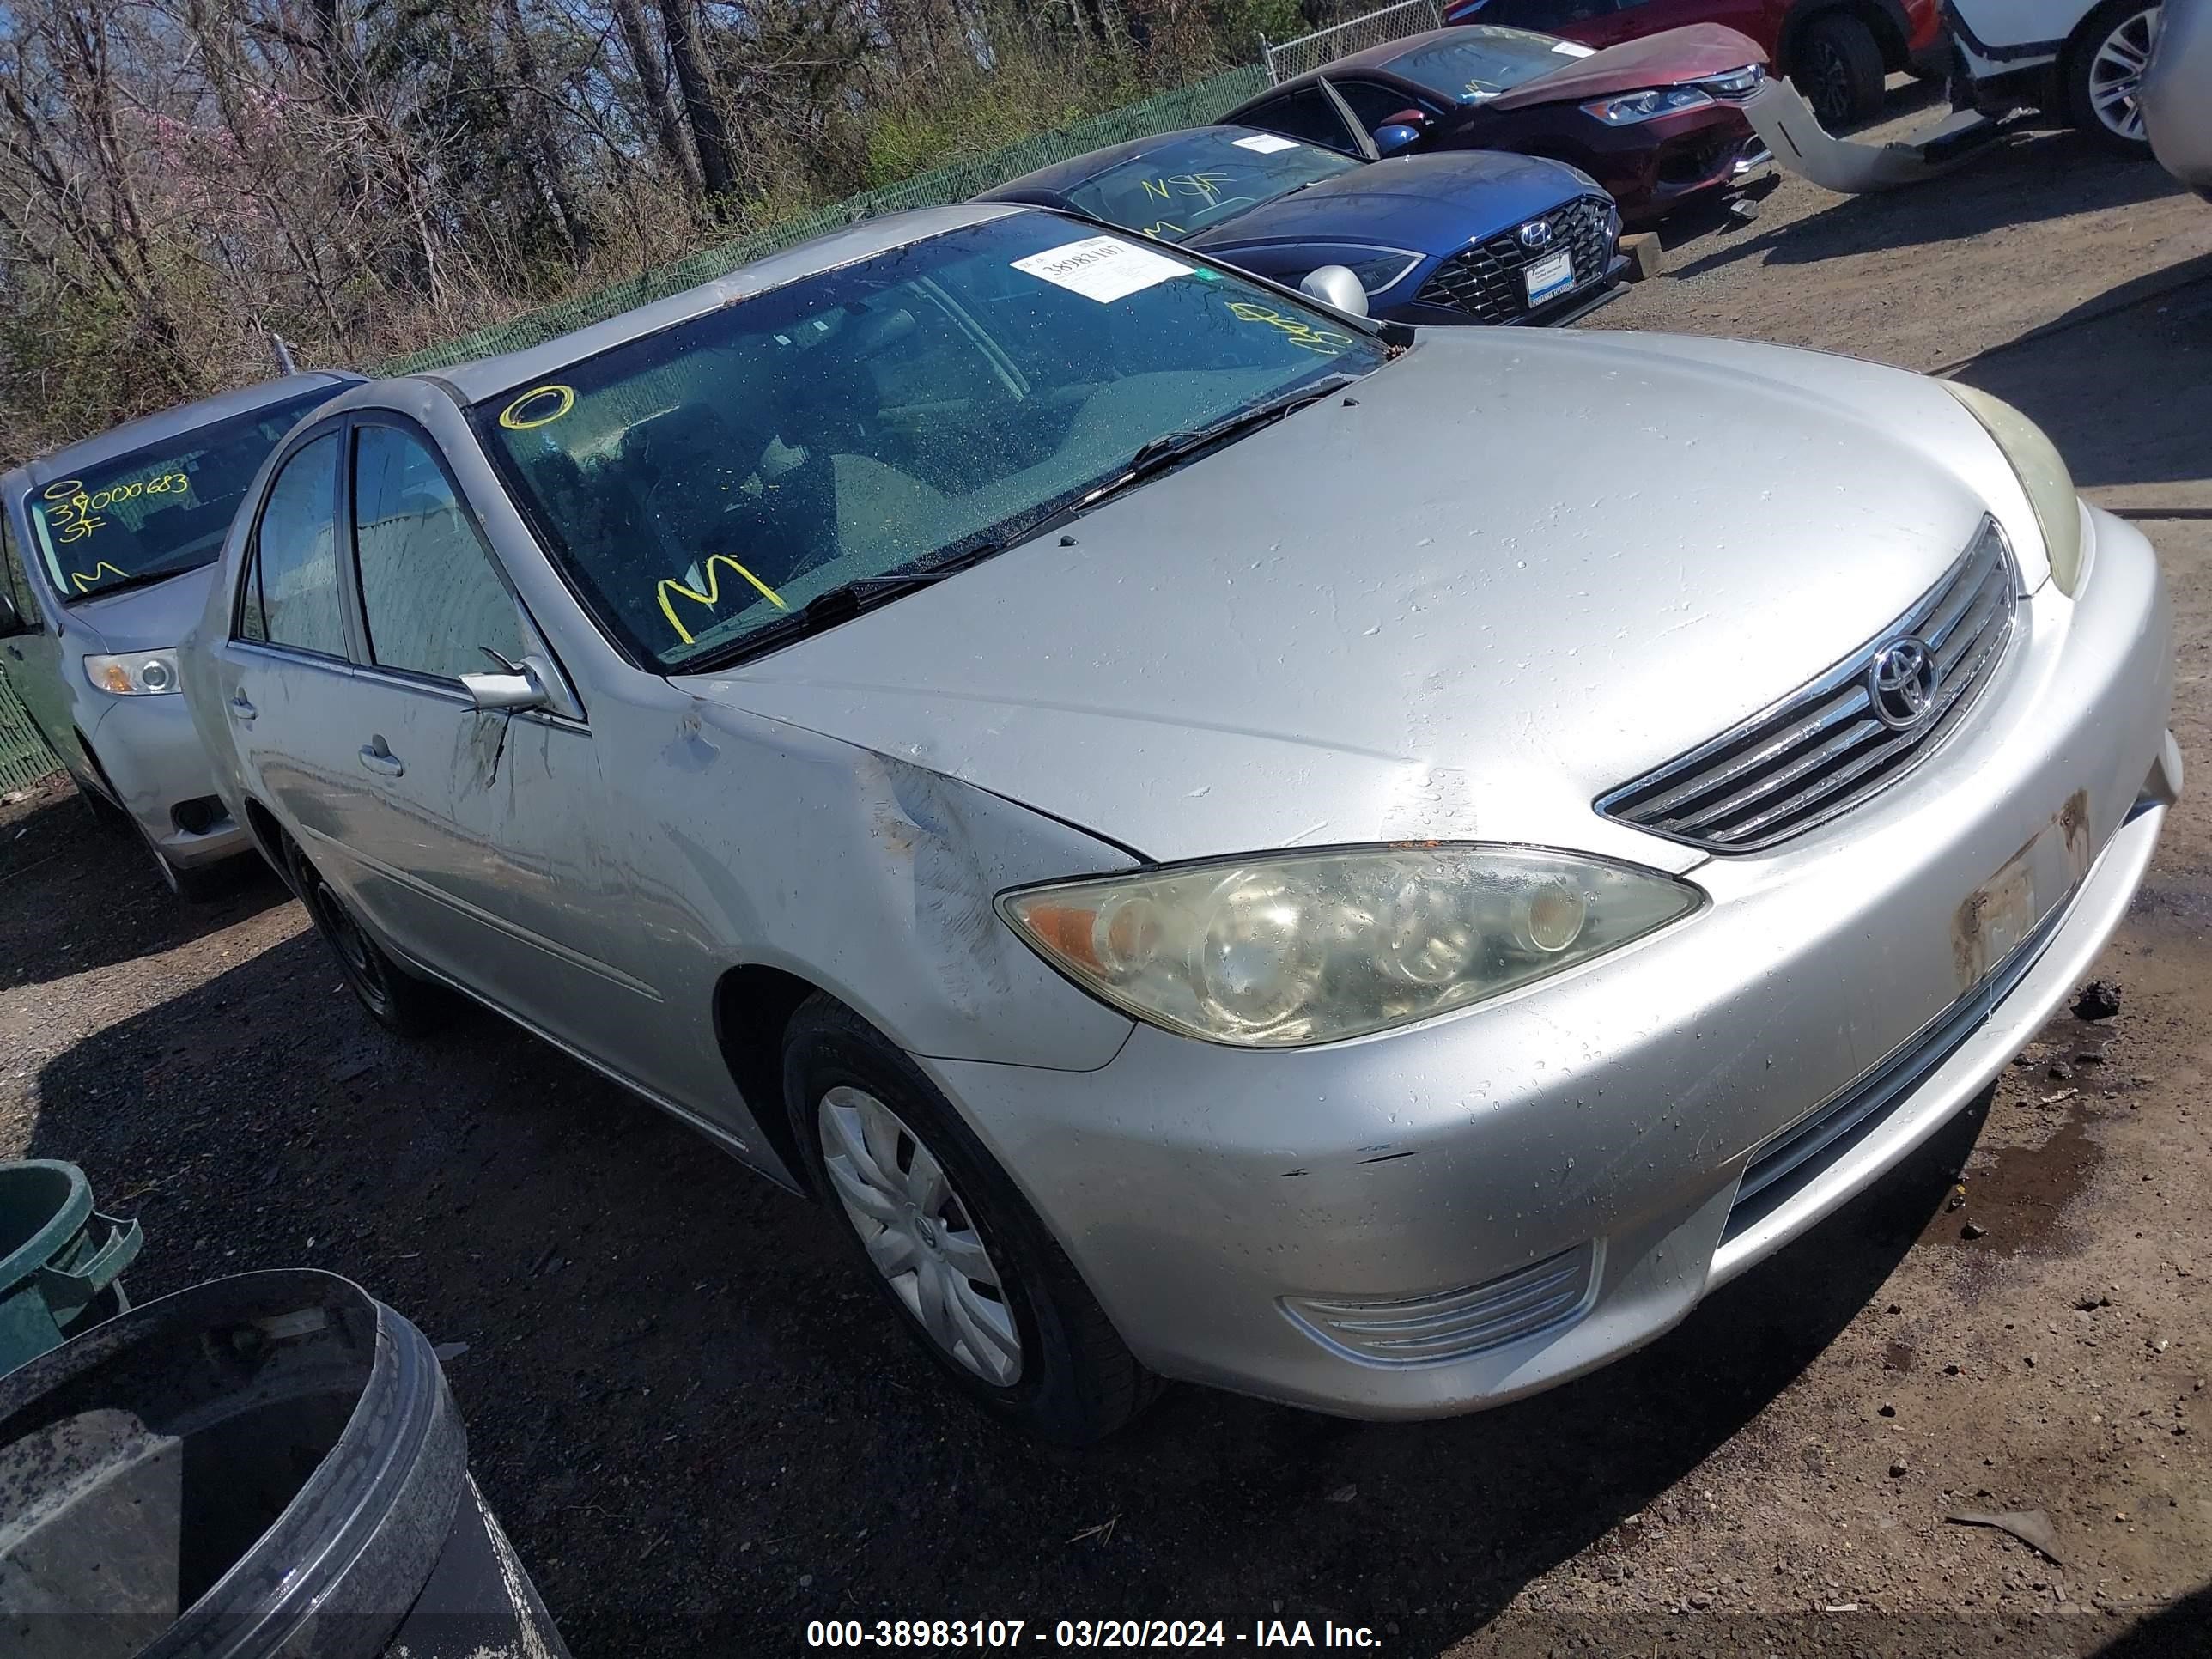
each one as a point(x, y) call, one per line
point(2042, 472)
point(140, 674)
point(1379, 268)
point(1296, 948)
point(1633, 106)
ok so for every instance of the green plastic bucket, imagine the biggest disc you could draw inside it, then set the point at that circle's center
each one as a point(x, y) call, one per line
point(59, 1258)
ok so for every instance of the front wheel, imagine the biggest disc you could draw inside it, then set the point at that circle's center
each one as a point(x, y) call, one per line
point(1838, 66)
point(395, 999)
point(2104, 74)
point(946, 1238)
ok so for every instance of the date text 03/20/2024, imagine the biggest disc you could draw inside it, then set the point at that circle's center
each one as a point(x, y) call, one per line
point(939, 1634)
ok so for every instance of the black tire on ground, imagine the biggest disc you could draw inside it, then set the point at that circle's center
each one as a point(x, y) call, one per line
point(2127, 26)
point(1079, 1382)
point(1837, 64)
point(395, 999)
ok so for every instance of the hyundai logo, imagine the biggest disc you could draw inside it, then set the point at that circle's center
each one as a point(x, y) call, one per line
point(1537, 232)
point(1901, 683)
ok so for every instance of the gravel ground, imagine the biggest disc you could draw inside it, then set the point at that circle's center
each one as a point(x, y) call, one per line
point(701, 1431)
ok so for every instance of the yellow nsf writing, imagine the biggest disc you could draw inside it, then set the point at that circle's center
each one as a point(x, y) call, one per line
point(73, 513)
point(1300, 332)
point(1207, 185)
point(669, 588)
point(86, 578)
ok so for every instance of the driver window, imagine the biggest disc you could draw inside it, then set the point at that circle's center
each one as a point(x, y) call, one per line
point(1375, 104)
point(1308, 114)
point(428, 592)
point(19, 581)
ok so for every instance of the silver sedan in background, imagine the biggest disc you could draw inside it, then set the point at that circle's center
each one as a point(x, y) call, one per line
point(1222, 840)
point(2176, 93)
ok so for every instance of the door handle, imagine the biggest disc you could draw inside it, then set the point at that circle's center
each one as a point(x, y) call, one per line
point(241, 710)
point(377, 758)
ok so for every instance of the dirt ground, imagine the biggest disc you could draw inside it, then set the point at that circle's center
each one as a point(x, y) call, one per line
point(702, 1431)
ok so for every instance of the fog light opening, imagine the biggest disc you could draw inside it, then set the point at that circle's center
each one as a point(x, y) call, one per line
point(197, 818)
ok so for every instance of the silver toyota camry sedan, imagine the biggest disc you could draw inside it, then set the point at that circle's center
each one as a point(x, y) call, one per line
point(1219, 840)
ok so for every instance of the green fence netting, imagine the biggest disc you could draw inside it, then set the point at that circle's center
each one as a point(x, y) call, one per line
point(24, 756)
point(1186, 106)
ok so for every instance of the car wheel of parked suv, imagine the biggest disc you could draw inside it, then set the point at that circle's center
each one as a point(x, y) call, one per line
point(1836, 65)
point(2104, 74)
point(947, 1237)
point(395, 999)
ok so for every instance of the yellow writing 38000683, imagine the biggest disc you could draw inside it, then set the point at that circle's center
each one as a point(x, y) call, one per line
point(669, 588)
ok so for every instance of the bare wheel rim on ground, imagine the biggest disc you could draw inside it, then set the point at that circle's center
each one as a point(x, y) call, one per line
point(919, 1233)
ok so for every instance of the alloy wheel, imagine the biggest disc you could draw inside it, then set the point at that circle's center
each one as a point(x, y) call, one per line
point(1828, 88)
point(919, 1233)
point(352, 945)
point(2116, 74)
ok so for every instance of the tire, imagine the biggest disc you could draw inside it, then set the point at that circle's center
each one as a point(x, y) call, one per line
point(394, 997)
point(1004, 1293)
point(1837, 64)
point(2104, 74)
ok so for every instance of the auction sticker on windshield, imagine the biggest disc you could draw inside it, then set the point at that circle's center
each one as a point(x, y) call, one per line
point(1102, 268)
point(1266, 144)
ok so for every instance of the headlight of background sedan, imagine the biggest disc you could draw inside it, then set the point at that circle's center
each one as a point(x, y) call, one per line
point(1299, 948)
point(139, 674)
point(2043, 475)
point(1633, 106)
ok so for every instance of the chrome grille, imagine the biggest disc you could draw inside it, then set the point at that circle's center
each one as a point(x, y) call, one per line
point(1455, 1324)
point(1823, 750)
point(1485, 281)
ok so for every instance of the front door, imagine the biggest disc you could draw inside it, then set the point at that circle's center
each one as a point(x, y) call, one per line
point(474, 837)
point(34, 659)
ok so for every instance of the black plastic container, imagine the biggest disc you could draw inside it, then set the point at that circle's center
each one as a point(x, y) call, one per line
point(265, 1465)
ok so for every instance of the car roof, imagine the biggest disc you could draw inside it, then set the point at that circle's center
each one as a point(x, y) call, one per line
point(1373, 60)
point(171, 423)
point(484, 377)
point(1061, 176)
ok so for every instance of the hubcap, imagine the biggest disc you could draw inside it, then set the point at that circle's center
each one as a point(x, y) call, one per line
point(918, 1232)
point(352, 944)
point(2116, 74)
point(1831, 84)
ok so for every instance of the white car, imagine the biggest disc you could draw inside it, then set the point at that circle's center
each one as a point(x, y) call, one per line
point(2080, 62)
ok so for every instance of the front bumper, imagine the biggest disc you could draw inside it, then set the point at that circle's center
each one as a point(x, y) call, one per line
point(1653, 169)
point(1452, 1216)
point(152, 759)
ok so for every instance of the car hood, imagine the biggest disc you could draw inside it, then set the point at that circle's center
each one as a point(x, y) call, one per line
point(1424, 203)
point(150, 618)
point(1506, 575)
point(1695, 53)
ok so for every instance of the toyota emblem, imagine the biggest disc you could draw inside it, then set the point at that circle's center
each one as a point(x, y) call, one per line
point(1901, 683)
point(1536, 234)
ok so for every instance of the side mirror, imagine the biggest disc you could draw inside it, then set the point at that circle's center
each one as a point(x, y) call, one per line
point(516, 687)
point(1335, 285)
point(11, 620)
point(1402, 131)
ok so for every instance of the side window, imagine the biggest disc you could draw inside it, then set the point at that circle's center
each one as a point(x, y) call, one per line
point(295, 597)
point(1375, 103)
point(1308, 114)
point(428, 589)
point(18, 579)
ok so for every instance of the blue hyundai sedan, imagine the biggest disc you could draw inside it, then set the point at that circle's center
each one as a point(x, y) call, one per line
point(1469, 236)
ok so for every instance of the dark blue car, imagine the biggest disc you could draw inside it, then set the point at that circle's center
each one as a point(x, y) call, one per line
point(1467, 236)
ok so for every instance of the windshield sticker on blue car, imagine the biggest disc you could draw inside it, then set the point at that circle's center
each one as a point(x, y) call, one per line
point(1102, 268)
point(1266, 144)
point(1573, 49)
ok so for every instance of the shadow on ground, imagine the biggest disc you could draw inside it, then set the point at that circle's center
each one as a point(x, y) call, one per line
point(702, 1430)
point(77, 894)
point(2008, 187)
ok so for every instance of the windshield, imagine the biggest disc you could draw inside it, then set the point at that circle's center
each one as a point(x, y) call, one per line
point(1480, 60)
point(888, 417)
point(160, 510)
point(1202, 179)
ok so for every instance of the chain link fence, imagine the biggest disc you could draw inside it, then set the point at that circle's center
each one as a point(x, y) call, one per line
point(24, 756)
point(1193, 105)
point(1291, 58)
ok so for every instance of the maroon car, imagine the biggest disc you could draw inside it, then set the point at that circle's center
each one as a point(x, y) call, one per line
point(1658, 122)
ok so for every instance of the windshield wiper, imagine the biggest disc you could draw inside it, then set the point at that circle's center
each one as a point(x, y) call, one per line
point(1157, 455)
point(824, 611)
